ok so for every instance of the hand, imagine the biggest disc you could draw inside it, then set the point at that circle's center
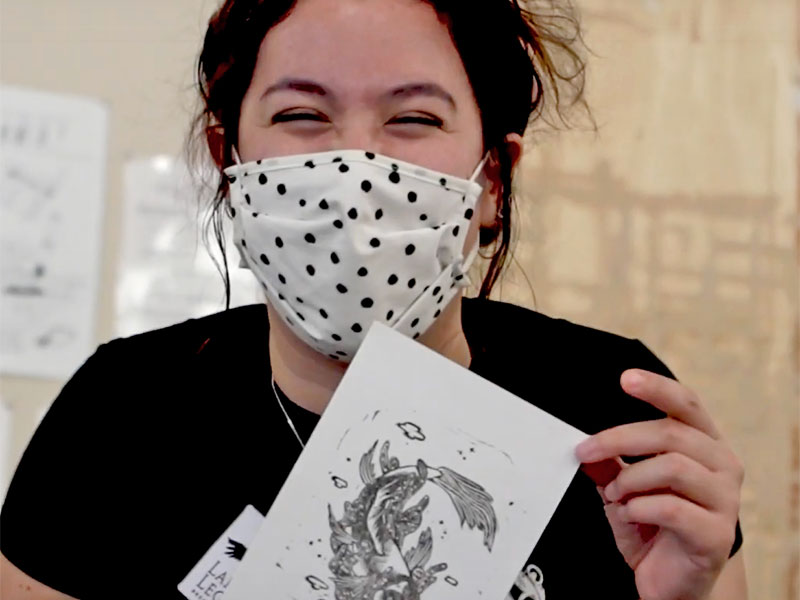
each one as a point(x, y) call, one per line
point(673, 514)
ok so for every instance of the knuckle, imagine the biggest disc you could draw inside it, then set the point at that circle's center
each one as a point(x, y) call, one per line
point(669, 511)
point(675, 467)
point(623, 484)
point(671, 433)
point(691, 399)
point(737, 467)
point(732, 502)
point(726, 536)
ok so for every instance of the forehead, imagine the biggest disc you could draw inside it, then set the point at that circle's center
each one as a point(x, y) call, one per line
point(362, 45)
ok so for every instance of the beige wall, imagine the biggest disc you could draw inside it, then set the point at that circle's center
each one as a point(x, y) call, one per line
point(676, 224)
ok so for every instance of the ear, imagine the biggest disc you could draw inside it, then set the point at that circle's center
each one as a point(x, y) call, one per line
point(492, 195)
point(215, 138)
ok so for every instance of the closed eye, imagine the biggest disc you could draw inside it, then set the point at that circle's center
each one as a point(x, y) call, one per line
point(417, 119)
point(302, 116)
point(320, 118)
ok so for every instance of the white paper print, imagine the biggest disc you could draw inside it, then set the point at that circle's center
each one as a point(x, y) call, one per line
point(211, 576)
point(165, 273)
point(422, 480)
point(529, 585)
point(52, 183)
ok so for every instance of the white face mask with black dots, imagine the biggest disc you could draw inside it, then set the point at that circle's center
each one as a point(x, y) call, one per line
point(343, 238)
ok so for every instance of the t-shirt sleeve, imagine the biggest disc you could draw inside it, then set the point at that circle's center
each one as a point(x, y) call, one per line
point(49, 520)
point(647, 360)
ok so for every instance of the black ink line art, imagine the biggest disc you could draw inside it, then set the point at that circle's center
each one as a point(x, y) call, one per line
point(371, 555)
point(344, 435)
point(235, 549)
point(412, 431)
point(316, 583)
point(483, 443)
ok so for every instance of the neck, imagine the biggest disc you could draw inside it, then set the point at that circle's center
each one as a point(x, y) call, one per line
point(309, 378)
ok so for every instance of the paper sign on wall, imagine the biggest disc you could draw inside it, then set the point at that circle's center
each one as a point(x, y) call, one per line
point(165, 273)
point(52, 177)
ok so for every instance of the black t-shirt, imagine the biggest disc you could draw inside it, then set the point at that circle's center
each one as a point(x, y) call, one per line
point(160, 440)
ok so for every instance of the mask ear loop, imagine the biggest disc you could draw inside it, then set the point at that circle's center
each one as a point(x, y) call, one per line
point(236, 156)
point(466, 263)
point(242, 262)
point(479, 168)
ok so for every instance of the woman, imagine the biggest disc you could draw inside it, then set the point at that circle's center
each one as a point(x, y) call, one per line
point(124, 488)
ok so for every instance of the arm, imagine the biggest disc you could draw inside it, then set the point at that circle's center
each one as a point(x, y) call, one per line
point(16, 585)
point(54, 512)
point(732, 582)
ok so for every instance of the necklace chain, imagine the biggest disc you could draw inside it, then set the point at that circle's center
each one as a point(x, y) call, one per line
point(286, 414)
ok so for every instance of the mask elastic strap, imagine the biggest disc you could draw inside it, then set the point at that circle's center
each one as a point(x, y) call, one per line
point(479, 168)
point(466, 264)
point(236, 156)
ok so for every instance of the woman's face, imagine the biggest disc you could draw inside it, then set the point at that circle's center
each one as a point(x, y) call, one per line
point(378, 75)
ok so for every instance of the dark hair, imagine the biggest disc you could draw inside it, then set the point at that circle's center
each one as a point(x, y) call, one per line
point(522, 59)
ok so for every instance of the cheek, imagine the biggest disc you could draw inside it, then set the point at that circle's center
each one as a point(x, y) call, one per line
point(256, 139)
point(448, 154)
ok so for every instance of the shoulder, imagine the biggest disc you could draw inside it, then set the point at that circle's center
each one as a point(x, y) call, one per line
point(155, 382)
point(193, 336)
point(145, 408)
point(537, 333)
point(170, 370)
point(133, 368)
point(568, 369)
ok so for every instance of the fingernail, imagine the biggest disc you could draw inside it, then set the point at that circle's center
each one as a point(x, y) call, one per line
point(585, 450)
point(634, 379)
point(611, 492)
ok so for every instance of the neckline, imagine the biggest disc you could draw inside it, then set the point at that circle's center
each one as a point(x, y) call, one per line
point(471, 333)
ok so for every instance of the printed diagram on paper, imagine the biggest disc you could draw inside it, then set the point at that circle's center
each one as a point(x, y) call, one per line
point(165, 272)
point(52, 183)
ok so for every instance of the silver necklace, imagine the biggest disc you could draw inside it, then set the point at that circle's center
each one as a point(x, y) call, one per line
point(286, 414)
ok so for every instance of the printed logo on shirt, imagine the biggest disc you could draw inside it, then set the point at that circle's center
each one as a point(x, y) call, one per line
point(529, 585)
point(210, 577)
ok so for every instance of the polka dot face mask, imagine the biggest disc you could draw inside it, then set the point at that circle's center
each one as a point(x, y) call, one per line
point(343, 238)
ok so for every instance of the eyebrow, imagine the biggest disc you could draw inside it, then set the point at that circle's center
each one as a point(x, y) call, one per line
point(298, 85)
point(408, 90)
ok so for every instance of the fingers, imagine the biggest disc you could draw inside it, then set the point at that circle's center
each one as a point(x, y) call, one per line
point(676, 473)
point(670, 396)
point(653, 437)
point(704, 532)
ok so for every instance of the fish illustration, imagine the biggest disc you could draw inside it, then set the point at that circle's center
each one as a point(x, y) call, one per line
point(371, 561)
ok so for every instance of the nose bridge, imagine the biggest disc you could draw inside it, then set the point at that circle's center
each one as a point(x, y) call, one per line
point(359, 131)
point(357, 135)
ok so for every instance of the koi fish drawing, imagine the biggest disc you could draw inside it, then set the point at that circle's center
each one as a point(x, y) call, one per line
point(372, 560)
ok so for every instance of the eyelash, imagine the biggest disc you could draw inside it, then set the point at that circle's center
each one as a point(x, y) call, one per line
point(287, 117)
